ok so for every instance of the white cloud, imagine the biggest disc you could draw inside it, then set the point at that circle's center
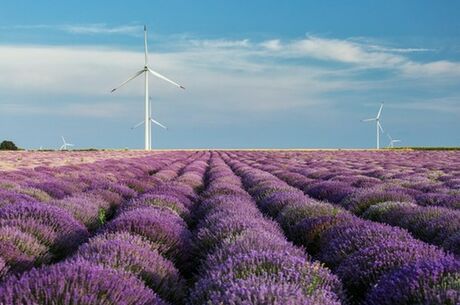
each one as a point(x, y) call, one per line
point(93, 110)
point(441, 69)
point(92, 28)
point(100, 28)
point(272, 45)
point(221, 43)
point(222, 76)
point(343, 51)
point(361, 55)
point(399, 50)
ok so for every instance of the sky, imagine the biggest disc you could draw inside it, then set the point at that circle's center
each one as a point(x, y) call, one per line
point(258, 74)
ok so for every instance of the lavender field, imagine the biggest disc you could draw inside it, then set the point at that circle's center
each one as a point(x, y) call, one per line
point(230, 227)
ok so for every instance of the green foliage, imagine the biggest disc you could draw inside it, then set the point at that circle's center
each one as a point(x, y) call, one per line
point(8, 145)
point(101, 216)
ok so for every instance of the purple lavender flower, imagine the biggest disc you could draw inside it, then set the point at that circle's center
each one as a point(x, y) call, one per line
point(28, 251)
point(50, 225)
point(247, 242)
point(223, 188)
point(177, 189)
point(135, 255)
point(363, 269)
point(343, 240)
point(3, 267)
point(76, 282)
point(161, 200)
point(162, 227)
point(84, 207)
point(11, 196)
point(439, 199)
point(433, 281)
point(225, 202)
point(35, 193)
point(274, 203)
point(120, 189)
point(310, 231)
point(431, 224)
point(265, 267)
point(361, 200)
point(452, 243)
point(113, 198)
point(257, 291)
point(293, 214)
point(332, 191)
point(56, 189)
point(222, 226)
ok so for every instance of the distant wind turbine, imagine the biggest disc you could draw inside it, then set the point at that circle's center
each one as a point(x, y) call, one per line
point(146, 70)
point(151, 121)
point(392, 142)
point(65, 145)
point(377, 123)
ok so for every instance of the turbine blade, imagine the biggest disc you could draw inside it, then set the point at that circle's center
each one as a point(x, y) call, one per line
point(63, 140)
point(62, 147)
point(380, 127)
point(129, 79)
point(146, 52)
point(395, 141)
point(137, 125)
point(380, 111)
point(165, 78)
point(70, 145)
point(368, 120)
point(158, 123)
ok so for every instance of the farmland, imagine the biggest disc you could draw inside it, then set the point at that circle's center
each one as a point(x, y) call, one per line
point(230, 227)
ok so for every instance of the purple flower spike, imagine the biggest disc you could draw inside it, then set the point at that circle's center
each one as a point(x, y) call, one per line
point(76, 282)
point(430, 282)
point(50, 225)
point(134, 255)
point(161, 226)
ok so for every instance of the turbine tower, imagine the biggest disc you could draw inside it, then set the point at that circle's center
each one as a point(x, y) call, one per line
point(378, 125)
point(146, 70)
point(392, 142)
point(65, 145)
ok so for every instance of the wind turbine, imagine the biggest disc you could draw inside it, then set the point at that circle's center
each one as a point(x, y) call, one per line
point(65, 145)
point(377, 123)
point(392, 142)
point(151, 120)
point(146, 70)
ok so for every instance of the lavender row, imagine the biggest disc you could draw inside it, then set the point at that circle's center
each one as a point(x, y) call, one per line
point(426, 178)
point(34, 232)
point(436, 225)
point(378, 264)
point(152, 229)
point(136, 247)
point(245, 258)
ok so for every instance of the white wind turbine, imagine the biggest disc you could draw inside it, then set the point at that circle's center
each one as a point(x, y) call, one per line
point(151, 120)
point(377, 123)
point(146, 70)
point(392, 142)
point(65, 145)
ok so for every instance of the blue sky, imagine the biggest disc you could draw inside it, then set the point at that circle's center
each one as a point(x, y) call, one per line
point(258, 73)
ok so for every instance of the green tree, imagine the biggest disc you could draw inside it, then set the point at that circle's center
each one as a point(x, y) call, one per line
point(8, 145)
